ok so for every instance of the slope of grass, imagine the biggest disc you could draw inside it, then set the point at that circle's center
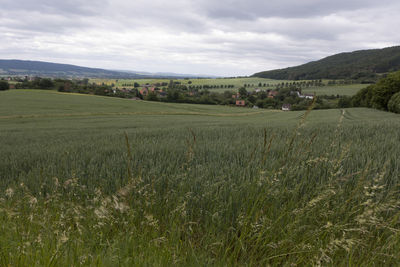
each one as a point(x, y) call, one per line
point(161, 188)
point(48, 103)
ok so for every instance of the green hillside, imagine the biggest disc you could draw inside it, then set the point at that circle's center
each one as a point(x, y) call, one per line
point(363, 65)
point(98, 181)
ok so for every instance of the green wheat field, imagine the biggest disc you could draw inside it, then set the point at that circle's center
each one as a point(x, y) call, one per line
point(96, 181)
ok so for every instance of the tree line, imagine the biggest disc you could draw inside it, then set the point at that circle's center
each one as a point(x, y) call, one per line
point(384, 95)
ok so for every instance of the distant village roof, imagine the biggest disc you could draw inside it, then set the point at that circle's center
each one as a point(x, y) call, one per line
point(240, 103)
point(273, 93)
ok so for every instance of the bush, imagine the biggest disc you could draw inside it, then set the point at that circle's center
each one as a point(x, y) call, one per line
point(394, 103)
point(344, 102)
point(384, 90)
point(4, 85)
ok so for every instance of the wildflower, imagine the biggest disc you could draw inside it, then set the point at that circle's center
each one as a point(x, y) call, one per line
point(101, 212)
point(32, 201)
point(64, 238)
point(9, 192)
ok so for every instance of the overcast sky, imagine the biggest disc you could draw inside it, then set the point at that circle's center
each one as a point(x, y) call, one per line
point(220, 37)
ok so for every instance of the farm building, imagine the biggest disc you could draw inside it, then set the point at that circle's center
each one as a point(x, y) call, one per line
point(240, 103)
point(308, 96)
point(272, 94)
point(144, 91)
point(286, 107)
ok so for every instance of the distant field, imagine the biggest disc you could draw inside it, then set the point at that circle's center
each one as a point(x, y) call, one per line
point(236, 82)
point(348, 90)
point(100, 181)
point(252, 84)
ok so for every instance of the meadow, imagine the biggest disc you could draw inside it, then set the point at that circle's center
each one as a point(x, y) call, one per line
point(97, 181)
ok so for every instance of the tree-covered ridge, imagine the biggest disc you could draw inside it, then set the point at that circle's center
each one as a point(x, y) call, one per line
point(57, 70)
point(39, 68)
point(363, 65)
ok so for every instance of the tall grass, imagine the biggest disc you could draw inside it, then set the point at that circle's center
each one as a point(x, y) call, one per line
point(324, 195)
point(160, 190)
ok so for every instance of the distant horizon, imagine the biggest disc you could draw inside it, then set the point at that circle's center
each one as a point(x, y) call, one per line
point(116, 70)
point(146, 72)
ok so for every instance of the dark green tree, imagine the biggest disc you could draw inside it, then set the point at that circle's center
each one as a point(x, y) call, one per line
point(152, 97)
point(242, 92)
point(344, 102)
point(45, 83)
point(4, 85)
point(394, 103)
point(384, 90)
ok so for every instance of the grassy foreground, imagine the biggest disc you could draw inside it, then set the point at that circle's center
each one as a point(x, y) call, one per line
point(95, 181)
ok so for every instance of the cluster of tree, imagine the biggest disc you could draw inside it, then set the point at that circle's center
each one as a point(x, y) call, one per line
point(384, 95)
point(4, 85)
point(37, 83)
point(365, 65)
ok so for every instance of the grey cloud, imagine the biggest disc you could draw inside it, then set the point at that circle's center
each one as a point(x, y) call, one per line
point(228, 37)
point(35, 22)
point(253, 9)
point(77, 7)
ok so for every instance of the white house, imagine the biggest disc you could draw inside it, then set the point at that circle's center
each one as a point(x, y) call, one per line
point(286, 107)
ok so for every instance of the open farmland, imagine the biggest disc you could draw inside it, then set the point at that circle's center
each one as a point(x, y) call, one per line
point(251, 84)
point(88, 180)
point(236, 82)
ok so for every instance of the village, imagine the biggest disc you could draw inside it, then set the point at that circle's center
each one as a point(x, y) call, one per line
point(242, 98)
point(285, 97)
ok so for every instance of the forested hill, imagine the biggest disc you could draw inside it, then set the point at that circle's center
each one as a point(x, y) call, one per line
point(39, 68)
point(363, 65)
